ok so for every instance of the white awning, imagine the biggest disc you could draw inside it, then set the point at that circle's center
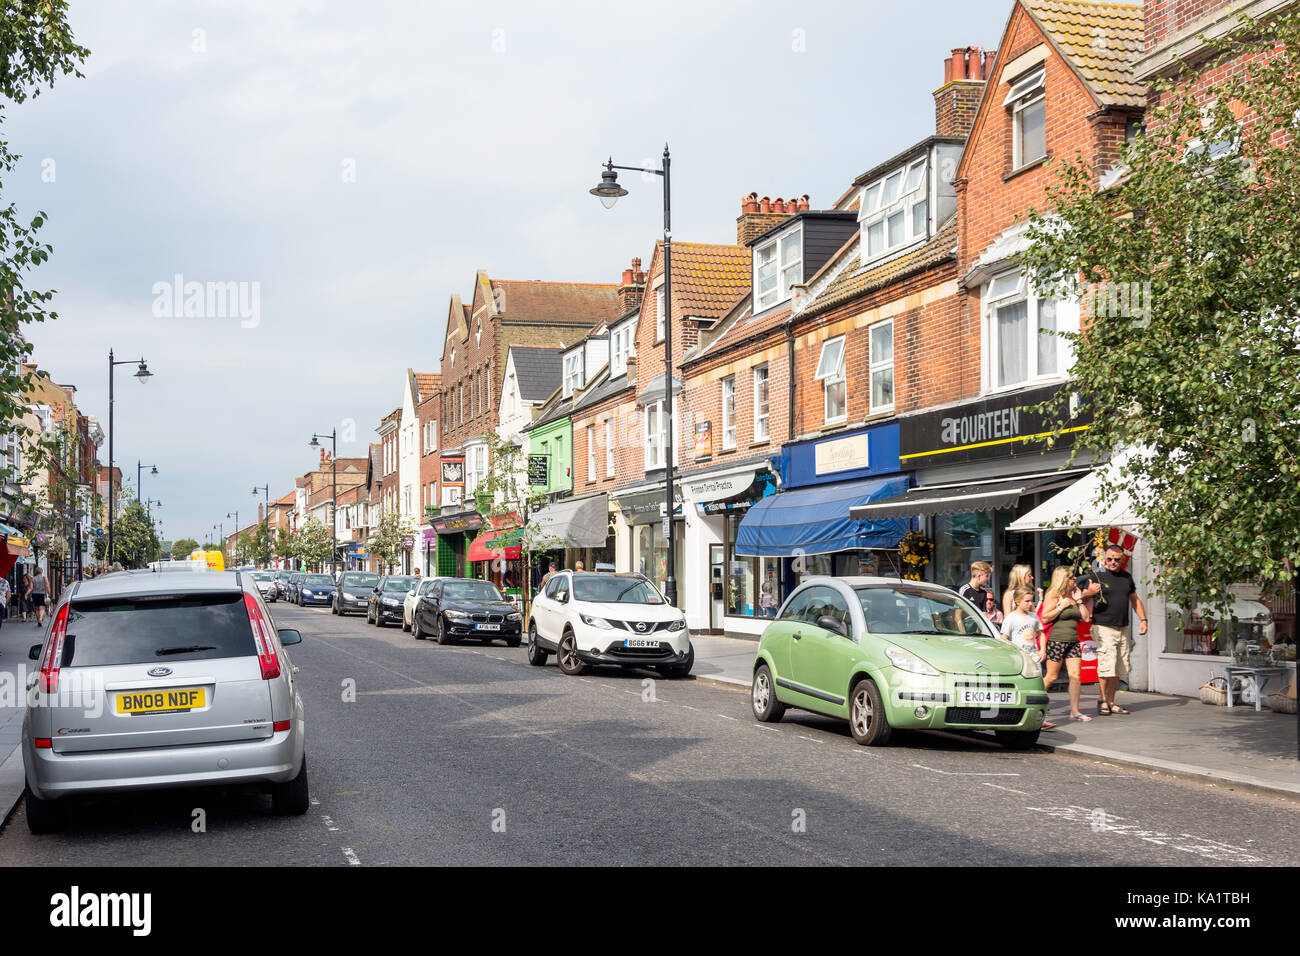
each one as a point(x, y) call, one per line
point(1077, 507)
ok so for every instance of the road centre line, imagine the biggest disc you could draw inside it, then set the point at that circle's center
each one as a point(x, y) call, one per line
point(725, 717)
point(1000, 787)
point(962, 773)
point(351, 856)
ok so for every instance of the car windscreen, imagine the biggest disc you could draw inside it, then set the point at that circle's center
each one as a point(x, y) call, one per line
point(318, 581)
point(355, 580)
point(399, 585)
point(157, 630)
point(609, 589)
point(904, 610)
point(262, 576)
point(470, 591)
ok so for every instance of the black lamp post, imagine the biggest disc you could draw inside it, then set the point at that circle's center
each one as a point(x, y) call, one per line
point(139, 469)
point(609, 192)
point(334, 493)
point(266, 516)
point(143, 374)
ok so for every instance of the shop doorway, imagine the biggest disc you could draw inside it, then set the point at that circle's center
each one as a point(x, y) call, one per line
point(717, 605)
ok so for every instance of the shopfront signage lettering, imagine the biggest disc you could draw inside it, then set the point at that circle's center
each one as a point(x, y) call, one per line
point(841, 454)
point(539, 470)
point(1002, 423)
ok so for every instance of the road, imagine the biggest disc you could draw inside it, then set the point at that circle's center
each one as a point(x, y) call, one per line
point(423, 754)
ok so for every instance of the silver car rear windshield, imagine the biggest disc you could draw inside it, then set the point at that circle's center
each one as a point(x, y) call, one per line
point(904, 610)
point(156, 630)
point(611, 589)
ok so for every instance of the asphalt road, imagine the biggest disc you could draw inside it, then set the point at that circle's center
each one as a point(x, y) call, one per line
point(423, 754)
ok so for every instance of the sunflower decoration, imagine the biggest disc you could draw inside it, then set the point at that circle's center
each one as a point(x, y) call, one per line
point(915, 550)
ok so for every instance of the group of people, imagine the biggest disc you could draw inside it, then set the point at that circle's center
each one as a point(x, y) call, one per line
point(32, 597)
point(1045, 623)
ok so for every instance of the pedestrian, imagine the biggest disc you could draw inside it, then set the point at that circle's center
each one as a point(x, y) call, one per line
point(551, 569)
point(1021, 576)
point(25, 595)
point(5, 593)
point(1110, 625)
point(580, 567)
point(40, 589)
point(1023, 629)
point(1063, 609)
point(975, 592)
point(991, 609)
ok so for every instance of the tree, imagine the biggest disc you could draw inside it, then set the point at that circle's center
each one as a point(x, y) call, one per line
point(286, 545)
point(183, 548)
point(135, 541)
point(386, 540)
point(243, 547)
point(1187, 269)
point(315, 543)
point(36, 46)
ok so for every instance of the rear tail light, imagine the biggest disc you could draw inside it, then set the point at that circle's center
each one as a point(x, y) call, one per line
point(282, 725)
point(43, 743)
point(263, 638)
point(52, 657)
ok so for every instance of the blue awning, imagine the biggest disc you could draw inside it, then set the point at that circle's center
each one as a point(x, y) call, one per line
point(815, 520)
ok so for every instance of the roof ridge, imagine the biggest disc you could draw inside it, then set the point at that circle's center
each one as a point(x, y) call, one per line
point(596, 285)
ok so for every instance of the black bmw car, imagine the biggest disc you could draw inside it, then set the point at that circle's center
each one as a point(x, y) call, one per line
point(456, 608)
point(385, 601)
point(352, 594)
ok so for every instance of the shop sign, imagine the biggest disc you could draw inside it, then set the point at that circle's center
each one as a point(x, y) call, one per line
point(469, 522)
point(539, 467)
point(644, 508)
point(1001, 426)
point(842, 454)
point(703, 439)
point(713, 489)
point(453, 471)
point(408, 542)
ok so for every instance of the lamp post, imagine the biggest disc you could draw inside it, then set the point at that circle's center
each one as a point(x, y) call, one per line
point(143, 375)
point(138, 469)
point(334, 493)
point(266, 516)
point(609, 192)
point(233, 551)
point(148, 504)
point(219, 528)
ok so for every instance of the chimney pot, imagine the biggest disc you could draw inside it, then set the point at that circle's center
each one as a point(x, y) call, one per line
point(636, 264)
point(749, 204)
point(959, 63)
point(627, 276)
point(765, 205)
point(976, 64)
point(947, 71)
point(803, 201)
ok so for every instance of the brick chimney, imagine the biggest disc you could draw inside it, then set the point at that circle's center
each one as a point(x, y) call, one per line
point(957, 100)
point(632, 291)
point(759, 215)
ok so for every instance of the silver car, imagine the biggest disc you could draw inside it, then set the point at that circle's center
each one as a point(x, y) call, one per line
point(151, 681)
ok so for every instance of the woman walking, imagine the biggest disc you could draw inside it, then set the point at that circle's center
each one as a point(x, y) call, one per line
point(25, 595)
point(1063, 609)
point(40, 588)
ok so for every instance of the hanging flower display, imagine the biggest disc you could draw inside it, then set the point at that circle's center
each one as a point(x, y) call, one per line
point(915, 550)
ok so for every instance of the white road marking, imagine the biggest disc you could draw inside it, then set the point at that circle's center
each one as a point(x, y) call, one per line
point(1099, 821)
point(329, 824)
point(634, 693)
point(689, 707)
point(314, 802)
point(725, 717)
point(1007, 789)
point(961, 773)
point(813, 739)
point(769, 729)
point(352, 857)
point(584, 680)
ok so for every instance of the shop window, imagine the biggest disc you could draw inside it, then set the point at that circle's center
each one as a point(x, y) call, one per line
point(753, 586)
point(1258, 625)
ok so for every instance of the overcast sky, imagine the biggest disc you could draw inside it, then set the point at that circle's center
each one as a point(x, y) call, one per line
point(353, 164)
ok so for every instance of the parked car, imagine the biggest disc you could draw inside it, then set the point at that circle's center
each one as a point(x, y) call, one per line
point(315, 589)
point(265, 581)
point(586, 618)
point(353, 591)
point(292, 586)
point(885, 654)
point(386, 599)
point(412, 600)
point(456, 608)
point(151, 681)
point(282, 584)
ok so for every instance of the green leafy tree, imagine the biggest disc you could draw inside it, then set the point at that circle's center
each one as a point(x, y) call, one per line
point(243, 547)
point(315, 543)
point(36, 47)
point(1187, 268)
point(135, 540)
point(286, 545)
point(386, 540)
point(183, 548)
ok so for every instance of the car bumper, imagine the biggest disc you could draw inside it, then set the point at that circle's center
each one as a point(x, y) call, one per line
point(315, 599)
point(389, 613)
point(467, 629)
point(933, 703)
point(348, 606)
point(615, 653)
point(275, 759)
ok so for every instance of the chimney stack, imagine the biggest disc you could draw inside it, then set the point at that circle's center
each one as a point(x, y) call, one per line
point(632, 291)
point(759, 215)
point(955, 103)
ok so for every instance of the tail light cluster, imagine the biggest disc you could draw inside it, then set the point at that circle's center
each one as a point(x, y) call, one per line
point(52, 657)
point(263, 637)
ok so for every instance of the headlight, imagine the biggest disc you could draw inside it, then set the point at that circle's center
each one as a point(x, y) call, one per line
point(306, 592)
point(599, 622)
point(909, 662)
point(457, 615)
point(392, 602)
point(1032, 668)
point(677, 625)
point(513, 616)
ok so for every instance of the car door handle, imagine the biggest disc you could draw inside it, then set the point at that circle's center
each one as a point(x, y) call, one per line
point(797, 636)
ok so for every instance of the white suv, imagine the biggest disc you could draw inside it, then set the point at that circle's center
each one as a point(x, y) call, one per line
point(608, 619)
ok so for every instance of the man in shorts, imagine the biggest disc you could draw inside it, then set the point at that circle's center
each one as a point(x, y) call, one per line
point(1110, 625)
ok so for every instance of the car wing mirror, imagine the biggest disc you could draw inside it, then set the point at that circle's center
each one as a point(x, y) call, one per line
point(34, 652)
point(828, 623)
point(289, 635)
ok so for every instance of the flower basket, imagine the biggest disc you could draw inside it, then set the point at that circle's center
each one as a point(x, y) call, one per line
point(915, 551)
point(1215, 692)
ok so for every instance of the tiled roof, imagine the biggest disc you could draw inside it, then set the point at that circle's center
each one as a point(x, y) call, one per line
point(744, 328)
point(426, 383)
point(537, 372)
point(1100, 40)
point(854, 281)
point(566, 302)
point(707, 279)
point(602, 390)
point(288, 499)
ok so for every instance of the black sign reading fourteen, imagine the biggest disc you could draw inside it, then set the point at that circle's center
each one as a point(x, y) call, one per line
point(995, 427)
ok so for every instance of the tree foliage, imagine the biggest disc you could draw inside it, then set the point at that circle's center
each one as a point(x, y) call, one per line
point(182, 549)
point(315, 543)
point(135, 540)
point(1188, 271)
point(386, 540)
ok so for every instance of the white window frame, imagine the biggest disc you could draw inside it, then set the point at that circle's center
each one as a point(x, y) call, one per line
point(763, 410)
point(729, 413)
point(1219, 148)
point(831, 375)
point(591, 452)
point(876, 210)
point(1014, 289)
point(609, 448)
point(880, 366)
point(475, 456)
point(656, 440)
point(787, 261)
point(660, 324)
point(572, 372)
point(620, 347)
point(1027, 90)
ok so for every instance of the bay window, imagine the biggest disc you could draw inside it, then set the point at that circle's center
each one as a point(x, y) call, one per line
point(475, 467)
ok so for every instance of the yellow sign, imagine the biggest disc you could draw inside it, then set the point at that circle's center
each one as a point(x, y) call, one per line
point(160, 701)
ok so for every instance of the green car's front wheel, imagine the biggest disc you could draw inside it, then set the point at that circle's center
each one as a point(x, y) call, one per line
point(762, 697)
point(867, 718)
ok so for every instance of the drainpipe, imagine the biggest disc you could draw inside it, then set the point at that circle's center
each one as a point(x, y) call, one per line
point(789, 345)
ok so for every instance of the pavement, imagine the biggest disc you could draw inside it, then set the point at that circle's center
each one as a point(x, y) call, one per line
point(1173, 735)
point(15, 639)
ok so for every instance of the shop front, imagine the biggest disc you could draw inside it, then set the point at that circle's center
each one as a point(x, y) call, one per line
point(454, 533)
point(571, 530)
point(644, 513)
point(355, 555)
point(496, 554)
point(806, 529)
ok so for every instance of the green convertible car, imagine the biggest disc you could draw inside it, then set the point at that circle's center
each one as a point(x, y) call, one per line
point(884, 653)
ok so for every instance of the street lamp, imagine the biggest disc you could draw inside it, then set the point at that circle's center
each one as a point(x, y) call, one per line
point(143, 375)
point(266, 516)
point(609, 192)
point(235, 533)
point(334, 493)
point(140, 468)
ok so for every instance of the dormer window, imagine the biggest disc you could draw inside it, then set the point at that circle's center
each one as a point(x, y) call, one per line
point(778, 265)
point(895, 210)
point(1028, 107)
point(572, 373)
point(620, 347)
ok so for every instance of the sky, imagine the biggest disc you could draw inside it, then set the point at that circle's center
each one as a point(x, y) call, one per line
point(349, 166)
